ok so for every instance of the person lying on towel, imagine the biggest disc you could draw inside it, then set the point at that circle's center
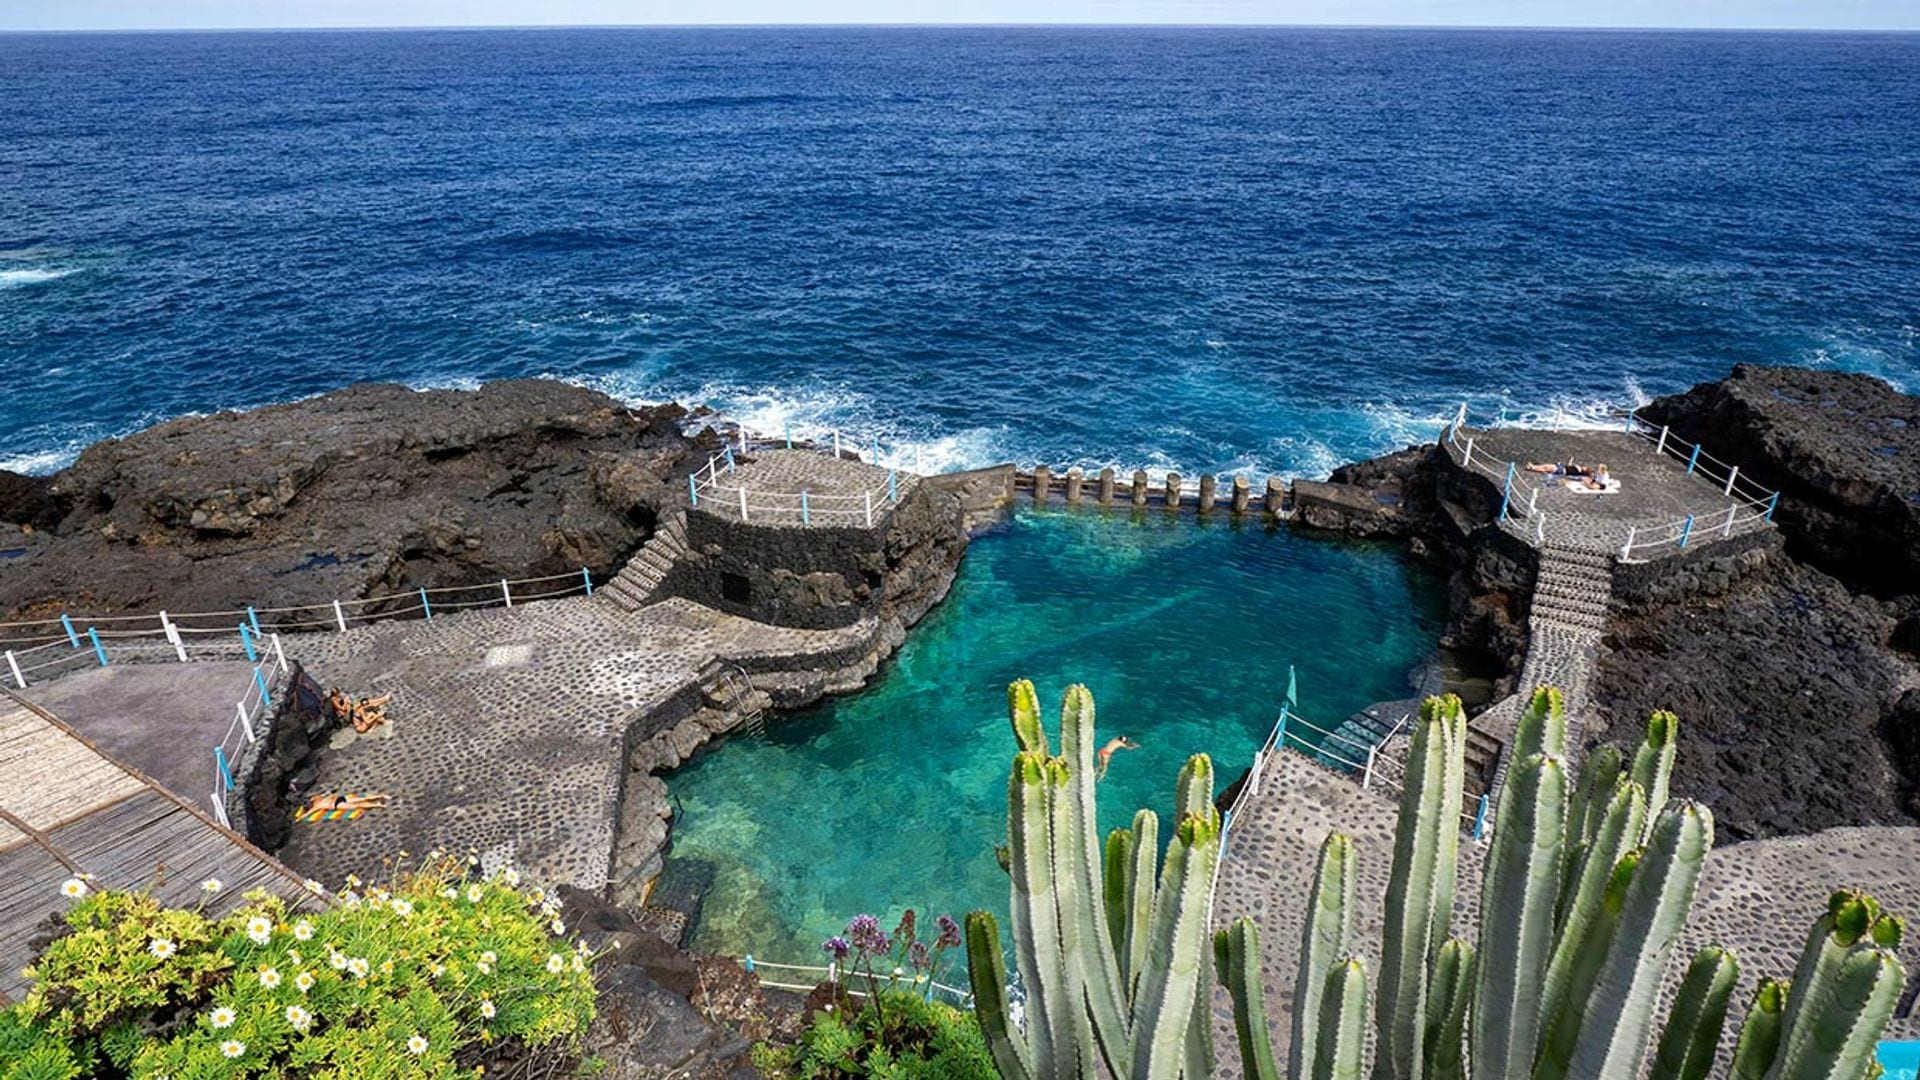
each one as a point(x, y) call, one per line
point(1570, 470)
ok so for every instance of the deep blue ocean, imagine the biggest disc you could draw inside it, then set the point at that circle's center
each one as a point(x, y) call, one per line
point(1212, 249)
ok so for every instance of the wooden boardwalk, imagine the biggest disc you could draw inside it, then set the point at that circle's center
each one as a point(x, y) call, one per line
point(67, 809)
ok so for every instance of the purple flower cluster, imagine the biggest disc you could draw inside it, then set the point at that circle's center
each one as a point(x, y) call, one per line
point(917, 955)
point(864, 931)
point(836, 947)
point(949, 932)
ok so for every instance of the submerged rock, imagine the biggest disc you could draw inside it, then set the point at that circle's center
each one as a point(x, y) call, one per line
point(369, 490)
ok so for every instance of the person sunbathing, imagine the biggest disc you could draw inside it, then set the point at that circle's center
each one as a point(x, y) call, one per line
point(1107, 752)
point(327, 805)
point(1572, 470)
point(1600, 480)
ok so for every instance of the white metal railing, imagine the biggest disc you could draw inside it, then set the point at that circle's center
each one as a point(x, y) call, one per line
point(922, 982)
point(68, 642)
point(246, 727)
point(1748, 503)
point(708, 489)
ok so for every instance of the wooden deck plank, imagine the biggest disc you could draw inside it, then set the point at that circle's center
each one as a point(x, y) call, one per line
point(90, 812)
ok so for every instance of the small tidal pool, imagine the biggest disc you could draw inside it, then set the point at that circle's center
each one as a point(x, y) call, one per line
point(895, 796)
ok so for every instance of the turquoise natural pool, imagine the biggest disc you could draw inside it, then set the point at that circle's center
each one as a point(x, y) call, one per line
point(895, 797)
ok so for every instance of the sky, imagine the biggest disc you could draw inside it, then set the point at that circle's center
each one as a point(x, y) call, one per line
point(241, 14)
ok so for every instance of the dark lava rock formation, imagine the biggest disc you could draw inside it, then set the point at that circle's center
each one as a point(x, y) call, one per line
point(1842, 449)
point(1790, 685)
point(1794, 677)
point(370, 490)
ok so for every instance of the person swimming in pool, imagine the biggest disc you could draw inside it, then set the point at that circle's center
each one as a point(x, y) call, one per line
point(1106, 753)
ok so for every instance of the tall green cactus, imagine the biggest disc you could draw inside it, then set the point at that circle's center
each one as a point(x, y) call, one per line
point(1112, 960)
point(1586, 888)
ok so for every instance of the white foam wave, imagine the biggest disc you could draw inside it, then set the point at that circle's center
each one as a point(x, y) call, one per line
point(42, 462)
point(443, 382)
point(11, 279)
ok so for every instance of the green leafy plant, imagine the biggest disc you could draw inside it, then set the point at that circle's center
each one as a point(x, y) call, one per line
point(417, 978)
point(906, 1038)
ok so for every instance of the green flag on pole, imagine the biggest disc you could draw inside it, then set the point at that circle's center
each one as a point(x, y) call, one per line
point(1293, 689)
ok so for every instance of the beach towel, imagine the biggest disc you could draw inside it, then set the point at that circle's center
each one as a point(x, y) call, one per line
point(1579, 487)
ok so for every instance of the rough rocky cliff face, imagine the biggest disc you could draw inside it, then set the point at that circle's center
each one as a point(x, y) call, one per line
point(369, 490)
point(1796, 685)
point(1797, 679)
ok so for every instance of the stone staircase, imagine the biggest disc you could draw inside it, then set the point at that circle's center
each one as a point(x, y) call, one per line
point(1572, 589)
point(639, 582)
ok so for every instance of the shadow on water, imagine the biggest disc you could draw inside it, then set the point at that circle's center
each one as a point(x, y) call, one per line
point(894, 797)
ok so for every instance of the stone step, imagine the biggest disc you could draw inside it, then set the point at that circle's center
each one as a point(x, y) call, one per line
point(1587, 605)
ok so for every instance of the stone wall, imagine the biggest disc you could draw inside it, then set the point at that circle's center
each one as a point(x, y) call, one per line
point(1711, 569)
point(274, 774)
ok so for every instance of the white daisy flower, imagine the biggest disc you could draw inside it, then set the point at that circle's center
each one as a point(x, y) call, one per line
point(211, 885)
point(304, 981)
point(357, 967)
point(160, 947)
point(233, 1048)
point(260, 930)
point(450, 893)
point(73, 888)
point(486, 1008)
point(314, 887)
point(269, 978)
point(556, 964)
point(300, 1018)
point(353, 881)
point(511, 877)
point(401, 907)
point(438, 970)
point(338, 960)
point(578, 963)
point(303, 931)
point(474, 893)
point(293, 957)
point(557, 927)
point(417, 1044)
point(483, 967)
point(222, 1017)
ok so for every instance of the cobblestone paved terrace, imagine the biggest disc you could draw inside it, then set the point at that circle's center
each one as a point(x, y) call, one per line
point(838, 490)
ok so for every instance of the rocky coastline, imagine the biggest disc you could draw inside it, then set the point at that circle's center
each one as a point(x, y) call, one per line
point(1796, 673)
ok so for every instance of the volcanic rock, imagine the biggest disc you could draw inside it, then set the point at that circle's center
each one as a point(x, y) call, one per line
point(370, 490)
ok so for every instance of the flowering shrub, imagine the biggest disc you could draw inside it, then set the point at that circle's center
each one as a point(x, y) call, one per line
point(414, 980)
point(888, 1031)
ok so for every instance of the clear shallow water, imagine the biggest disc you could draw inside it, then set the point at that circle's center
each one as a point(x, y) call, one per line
point(895, 796)
point(1212, 249)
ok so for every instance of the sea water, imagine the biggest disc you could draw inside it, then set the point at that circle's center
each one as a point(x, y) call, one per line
point(895, 796)
point(1206, 249)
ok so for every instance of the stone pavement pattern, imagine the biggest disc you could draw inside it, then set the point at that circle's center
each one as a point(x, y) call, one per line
point(840, 491)
point(509, 726)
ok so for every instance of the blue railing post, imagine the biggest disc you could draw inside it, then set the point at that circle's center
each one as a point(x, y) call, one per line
point(1693, 459)
point(1686, 531)
point(586, 577)
point(1280, 729)
point(1771, 503)
point(729, 458)
point(893, 485)
point(253, 620)
point(98, 650)
point(73, 639)
point(693, 489)
point(1506, 494)
point(873, 457)
point(806, 516)
point(789, 434)
point(1480, 819)
point(260, 681)
point(246, 642)
point(226, 773)
point(425, 604)
point(748, 962)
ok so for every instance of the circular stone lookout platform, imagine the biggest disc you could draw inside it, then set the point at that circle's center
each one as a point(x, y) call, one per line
point(802, 487)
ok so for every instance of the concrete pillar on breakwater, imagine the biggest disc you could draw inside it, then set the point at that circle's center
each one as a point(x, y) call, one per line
point(1074, 479)
point(1276, 495)
point(1106, 486)
point(1207, 484)
point(1042, 480)
point(1173, 491)
point(1240, 494)
point(1139, 487)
